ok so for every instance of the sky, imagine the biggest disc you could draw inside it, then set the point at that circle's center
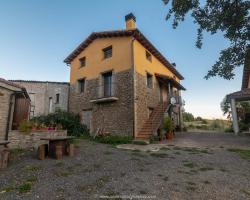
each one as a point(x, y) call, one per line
point(36, 36)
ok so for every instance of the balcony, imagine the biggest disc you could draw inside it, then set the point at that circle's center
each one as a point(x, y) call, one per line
point(105, 93)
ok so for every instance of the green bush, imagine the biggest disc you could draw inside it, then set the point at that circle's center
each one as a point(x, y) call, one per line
point(168, 125)
point(67, 120)
point(113, 139)
point(243, 126)
point(229, 129)
point(25, 126)
point(25, 187)
point(215, 125)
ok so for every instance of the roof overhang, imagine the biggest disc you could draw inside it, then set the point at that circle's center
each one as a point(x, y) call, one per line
point(124, 33)
point(242, 95)
point(168, 79)
point(17, 89)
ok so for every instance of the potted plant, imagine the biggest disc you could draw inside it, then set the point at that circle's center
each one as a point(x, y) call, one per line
point(168, 126)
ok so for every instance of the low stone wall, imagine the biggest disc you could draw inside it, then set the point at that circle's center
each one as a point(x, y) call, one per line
point(22, 140)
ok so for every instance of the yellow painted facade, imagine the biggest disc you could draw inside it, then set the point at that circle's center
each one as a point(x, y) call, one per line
point(144, 66)
point(121, 59)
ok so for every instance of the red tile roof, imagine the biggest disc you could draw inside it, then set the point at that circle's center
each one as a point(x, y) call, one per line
point(11, 83)
point(124, 33)
point(15, 85)
point(171, 80)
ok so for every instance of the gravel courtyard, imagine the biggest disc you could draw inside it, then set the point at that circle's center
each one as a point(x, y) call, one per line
point(192, 166)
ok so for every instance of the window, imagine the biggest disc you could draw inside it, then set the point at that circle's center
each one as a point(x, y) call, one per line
point(50, 105)
point(149, 80)
point(57, 98)
point(148, 56)
point(82, 61)
point(81, 85)
point(107, 84)
point(107, 52)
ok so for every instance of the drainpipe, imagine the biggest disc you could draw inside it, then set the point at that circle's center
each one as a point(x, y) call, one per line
point(134, 87)
point(9, 115)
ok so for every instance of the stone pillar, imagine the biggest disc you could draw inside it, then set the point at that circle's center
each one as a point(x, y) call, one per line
point(235, 118)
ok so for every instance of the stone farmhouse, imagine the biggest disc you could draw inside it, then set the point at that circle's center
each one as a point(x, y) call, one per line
point(121, 84)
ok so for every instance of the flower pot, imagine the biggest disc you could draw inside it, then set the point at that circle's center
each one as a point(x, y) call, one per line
point(169, 135)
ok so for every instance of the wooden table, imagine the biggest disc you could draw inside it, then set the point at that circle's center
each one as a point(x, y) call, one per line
point(58, 146)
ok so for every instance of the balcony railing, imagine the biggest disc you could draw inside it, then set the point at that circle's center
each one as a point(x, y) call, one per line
point(105, 93)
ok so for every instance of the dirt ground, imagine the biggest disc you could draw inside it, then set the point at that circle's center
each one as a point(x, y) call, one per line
point(192, 166)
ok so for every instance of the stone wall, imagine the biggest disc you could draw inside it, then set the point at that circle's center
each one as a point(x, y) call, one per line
point(4, 110)
point(114, 117)
point(145, 98)
point(40, 92)
point(22, 140)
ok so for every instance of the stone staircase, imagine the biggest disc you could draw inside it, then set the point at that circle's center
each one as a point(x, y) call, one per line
point(153, 122)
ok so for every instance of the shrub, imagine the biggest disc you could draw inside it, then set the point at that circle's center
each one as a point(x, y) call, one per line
point(113, 139)
point(66, 120)
point(139, 142)
point(243, 126)
point(25, 126)
point(25, 187)
point(168, 125)
point(184, 129)
point(215, 124)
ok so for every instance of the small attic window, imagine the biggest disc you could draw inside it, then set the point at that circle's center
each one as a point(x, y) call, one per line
point(107, 52)
point(148, 56)
point(82, 61)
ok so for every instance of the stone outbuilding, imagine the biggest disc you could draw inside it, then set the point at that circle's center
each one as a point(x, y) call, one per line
point(14, 106)
point(46, 96)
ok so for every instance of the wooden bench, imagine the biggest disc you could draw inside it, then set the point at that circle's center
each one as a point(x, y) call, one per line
point(4, 154)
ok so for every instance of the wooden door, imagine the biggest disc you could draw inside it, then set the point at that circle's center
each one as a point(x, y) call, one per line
point(21, 111)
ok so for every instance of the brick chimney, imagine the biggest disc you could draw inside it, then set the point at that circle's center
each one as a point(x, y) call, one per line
point(130, 21)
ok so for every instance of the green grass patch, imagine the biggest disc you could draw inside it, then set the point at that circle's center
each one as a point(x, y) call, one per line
point(59, 164)
point(244, 153)
point(159, 155)
point(189, 164)
point(113, 139)
point(32, 179)
point(247, 193)
point(25, 187)
point(138, 142)
point(206, 169)
point(33, 168)
point(8, 188)
point(165, 148)
point(64, 173)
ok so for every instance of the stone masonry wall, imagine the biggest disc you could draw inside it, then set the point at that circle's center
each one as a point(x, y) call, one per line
point(4, 109)
point(21, 140)
point(145, 98)
point(115, 117)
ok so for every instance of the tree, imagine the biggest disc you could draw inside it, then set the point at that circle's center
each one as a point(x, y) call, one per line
point(242, 108)
point(231, 17)
point(226, 108)
point(188, 117)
